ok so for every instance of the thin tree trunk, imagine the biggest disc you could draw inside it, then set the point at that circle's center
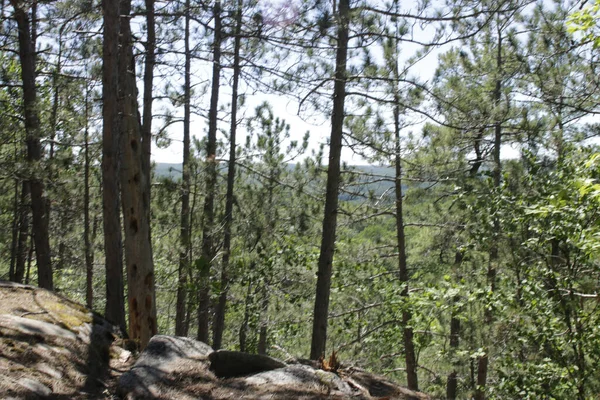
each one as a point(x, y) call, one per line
point(452, 383)
point(321, 309)
point(138, 249)
point(34, 147)
point(243, 332)
point(264, 319)
point(482, 370)
point(146, 128)
point(184, 235)
point(89, 261)
point(24, 232)
point(208, 247)
point(14, 232)
point(409, 347)
point(483, 361)
point(219, 325)
point(115, 300)
point(30, 250)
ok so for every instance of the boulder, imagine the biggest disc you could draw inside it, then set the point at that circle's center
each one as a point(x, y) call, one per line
point(158, 360)
point(229, 364)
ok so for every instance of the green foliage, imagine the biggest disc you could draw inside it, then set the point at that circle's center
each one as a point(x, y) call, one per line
point(585, 22)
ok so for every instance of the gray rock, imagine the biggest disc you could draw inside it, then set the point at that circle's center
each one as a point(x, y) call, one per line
point(160, 357)
point(35, 387)
point(229, 364)
point(293, 375)
point(34, 327)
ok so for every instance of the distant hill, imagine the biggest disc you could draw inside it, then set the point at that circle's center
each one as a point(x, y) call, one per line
point(366, 179)
point(167, 170)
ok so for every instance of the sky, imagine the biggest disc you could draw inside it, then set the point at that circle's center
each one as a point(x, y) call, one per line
point(287, 108)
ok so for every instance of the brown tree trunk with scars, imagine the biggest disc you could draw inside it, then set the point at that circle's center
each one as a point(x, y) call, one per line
point(113, 253)
point(321, 309)
point(184, 235)
point(138, 249)
point(208, 246)
point(34, 147)
point(219, 324)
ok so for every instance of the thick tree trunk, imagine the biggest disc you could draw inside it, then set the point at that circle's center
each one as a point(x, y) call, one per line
point(219, 324)
point(321, 309)
point(115, 300)
point(34, 147)
point(184, 235)
point(138, 249)
point(208, 247)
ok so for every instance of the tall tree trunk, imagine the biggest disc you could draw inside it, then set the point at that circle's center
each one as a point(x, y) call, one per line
point(321, 309)
point(409, 347)
point(146, 128)
point(34, 147)
point(115, 300)
point(410, 358)
point(483, 361)
point(208, 247)
point(184, 235)
point(138, 249)
point(219, 324)
point(89, 257)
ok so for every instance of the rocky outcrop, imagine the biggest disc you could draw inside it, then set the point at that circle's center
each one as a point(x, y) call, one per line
point(51, 347)
point(173, 367)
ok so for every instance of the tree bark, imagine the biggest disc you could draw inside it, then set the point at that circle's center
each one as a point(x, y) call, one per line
point(34, 147)
point(14, 231)
point(24, 232)
point(115, 300)
point(321, 309)
point(184, 235)
point(138, 249)
point(208, 247)
point(89, 256)
point(219, 324)
point(146, 128)
point(452, 383)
